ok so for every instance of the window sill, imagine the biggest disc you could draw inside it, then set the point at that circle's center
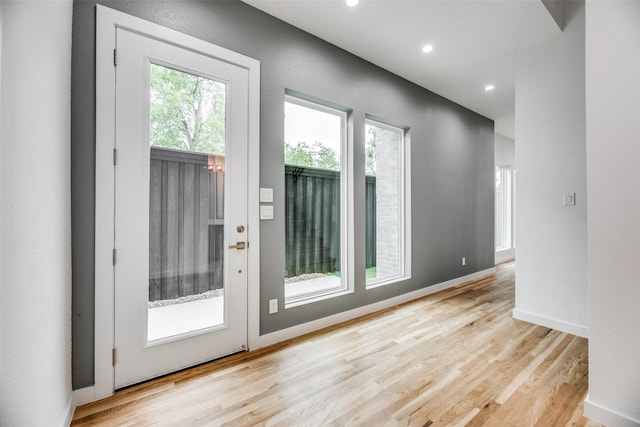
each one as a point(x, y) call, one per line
point(376, 283)
point(309, 299)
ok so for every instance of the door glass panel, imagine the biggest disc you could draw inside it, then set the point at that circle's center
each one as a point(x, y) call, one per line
point(186, 203)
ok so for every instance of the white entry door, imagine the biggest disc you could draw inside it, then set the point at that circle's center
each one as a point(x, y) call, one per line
point(180, 208)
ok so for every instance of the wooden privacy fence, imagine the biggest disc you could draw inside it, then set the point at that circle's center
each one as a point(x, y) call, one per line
point(312, 221)
point(186, 224)
point(370, 221)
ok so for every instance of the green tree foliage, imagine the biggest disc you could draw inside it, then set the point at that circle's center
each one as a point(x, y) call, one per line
point(314, 155)
point(187, 112)
point(327, 158)
point(298, 154)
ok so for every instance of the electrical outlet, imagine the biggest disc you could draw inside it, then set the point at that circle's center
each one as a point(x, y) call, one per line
point(464, 261)
point(273, 306)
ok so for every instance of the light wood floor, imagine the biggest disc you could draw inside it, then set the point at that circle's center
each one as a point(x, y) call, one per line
point(453, 358)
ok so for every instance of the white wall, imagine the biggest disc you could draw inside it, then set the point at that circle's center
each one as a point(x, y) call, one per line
point(551, 272)
point(613, 152)
point(505, 150)
point(505, 155)
point(35, 273)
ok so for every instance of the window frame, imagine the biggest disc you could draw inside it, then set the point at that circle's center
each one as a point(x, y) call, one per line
point(346, 201)
point(508, 207)
point(404, 178)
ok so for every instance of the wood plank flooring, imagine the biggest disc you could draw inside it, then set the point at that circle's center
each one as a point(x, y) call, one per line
point(455, 358)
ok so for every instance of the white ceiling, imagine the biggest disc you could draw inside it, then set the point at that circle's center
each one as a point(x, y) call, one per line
point(475, 42)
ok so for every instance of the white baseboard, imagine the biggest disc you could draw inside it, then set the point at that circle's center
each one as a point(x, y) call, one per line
point(560, 325)
point(69, 412)
point(84, 395)
point(504, 256)
point(605, 416)
point(295, 331)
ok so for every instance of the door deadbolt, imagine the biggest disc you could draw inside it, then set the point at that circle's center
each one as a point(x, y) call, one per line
point(240, 228)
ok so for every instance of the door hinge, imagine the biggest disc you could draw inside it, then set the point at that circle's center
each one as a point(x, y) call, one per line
point(113, 257)
point(115, 57)
point(115, 156)
point(113, 356)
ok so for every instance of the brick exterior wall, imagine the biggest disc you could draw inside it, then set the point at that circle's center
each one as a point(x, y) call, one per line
point(388, 200)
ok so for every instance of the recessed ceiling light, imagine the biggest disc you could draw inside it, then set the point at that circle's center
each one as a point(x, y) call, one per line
point(427, 48)
point(489, 88)
point(352, 3)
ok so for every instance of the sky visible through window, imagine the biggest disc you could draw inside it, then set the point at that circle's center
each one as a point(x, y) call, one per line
point(308, 125)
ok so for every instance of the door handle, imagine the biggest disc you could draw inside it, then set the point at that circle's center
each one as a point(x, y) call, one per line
point(238, 246)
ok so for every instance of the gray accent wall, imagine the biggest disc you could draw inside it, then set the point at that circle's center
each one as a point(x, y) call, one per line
point(452, 157)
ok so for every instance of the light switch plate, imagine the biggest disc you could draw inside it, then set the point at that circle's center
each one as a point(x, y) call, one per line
point(569, 199)
point(266, 195)
point(266, 212)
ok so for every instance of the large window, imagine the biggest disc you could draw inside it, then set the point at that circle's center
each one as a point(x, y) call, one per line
point(385, 227)
point(504, 217)
point(315, 206)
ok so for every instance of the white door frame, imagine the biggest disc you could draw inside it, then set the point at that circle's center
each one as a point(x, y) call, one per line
point(106, 23)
